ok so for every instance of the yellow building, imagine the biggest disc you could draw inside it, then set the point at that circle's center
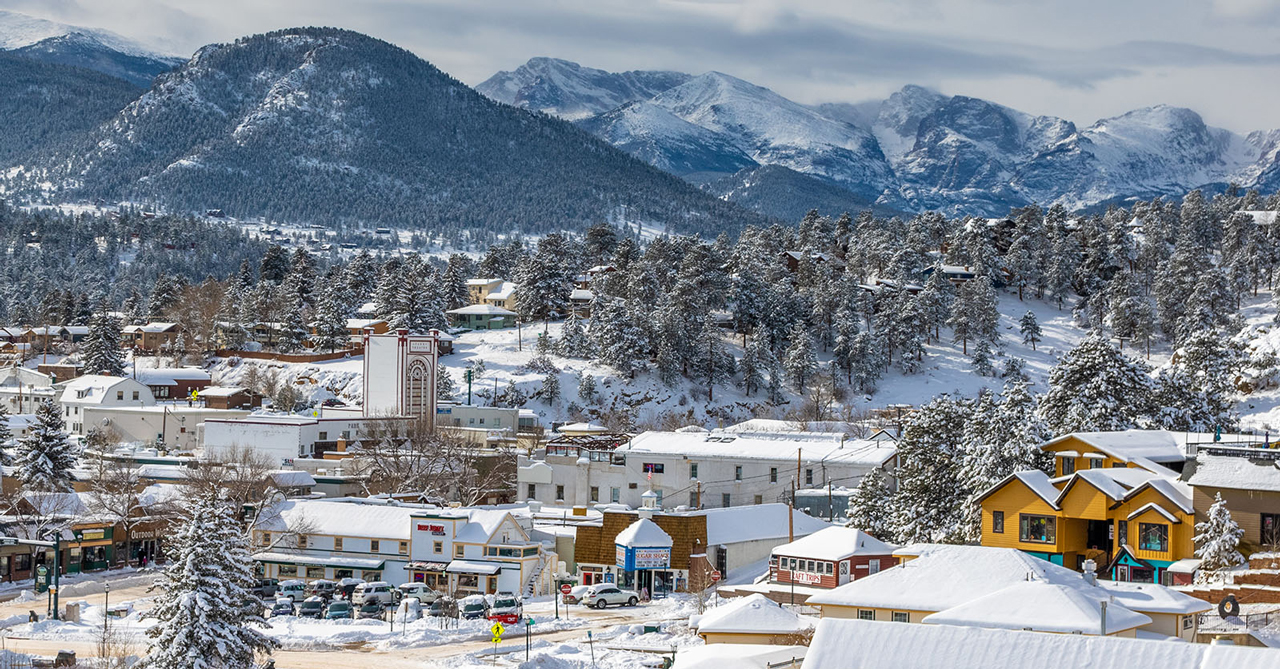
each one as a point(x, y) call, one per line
point(754, 619)
point(1135, 517)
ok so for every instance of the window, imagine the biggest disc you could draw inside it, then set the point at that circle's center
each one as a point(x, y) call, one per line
point(403, 549)
point(560, 493)
point(693, 498)
point(119, 394)
point(1153, 537)
point(1037, 529)
point(324, 436)
point(1270, 528)
point(997, 522)
point(1117, 465)
point(135, 395)
point(693, 470)
point(615, 495)
point(532, 490)
point(437, 547)
point(759, 499)
point(457, 551)
point(287, 570)
point(1122, 528)
point(371, 576)
point(724, 500)
point(737, 473)
point(374, 546)
point(1188, 622)
point(866, 614)
point(1068, 466)
point(900, 617)
point(658, 494)
point(808, 477)
point(315, 572)
point(302, 541)
point(773, 475)
point(337, 543)
point(595, 494)
point(653, 467)
point(873, 566)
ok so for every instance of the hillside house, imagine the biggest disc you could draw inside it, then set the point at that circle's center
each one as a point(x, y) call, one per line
point(482, 317)
point(173, 382)
point(1248, 479)
point(755, 619)
point(151, 337)
point(94, 391)
point(479, 289)
point(46, 336)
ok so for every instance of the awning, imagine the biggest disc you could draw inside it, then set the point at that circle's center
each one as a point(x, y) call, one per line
point(427, 566)
point(1066, 454)
point(473, 567)
point(320, 560)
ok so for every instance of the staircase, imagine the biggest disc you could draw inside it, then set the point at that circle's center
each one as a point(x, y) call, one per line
point(531, 585)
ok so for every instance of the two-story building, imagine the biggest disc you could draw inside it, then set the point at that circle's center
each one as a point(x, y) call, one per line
point(822, 561)
point(478, 551)
point(93, 391)
point(698, 469)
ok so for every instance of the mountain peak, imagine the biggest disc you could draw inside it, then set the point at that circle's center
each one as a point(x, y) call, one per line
point(571, 91)
point(89, 48)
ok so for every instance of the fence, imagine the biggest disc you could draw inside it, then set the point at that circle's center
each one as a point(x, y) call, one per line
point(288, 357)
point(1211, 621)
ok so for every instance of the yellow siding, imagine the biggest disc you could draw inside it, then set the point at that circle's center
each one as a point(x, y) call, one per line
point(1014, 499)
point(1085, 501)
point(1181, 535)
point(761, 639)
point(881, 615)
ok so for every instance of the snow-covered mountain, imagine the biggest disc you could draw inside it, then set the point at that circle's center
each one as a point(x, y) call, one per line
point(90, 48)
point(918, 149)
point(571, 91)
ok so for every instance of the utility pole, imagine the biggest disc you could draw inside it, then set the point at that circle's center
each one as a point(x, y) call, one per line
point(468, 375)
point(699, 499)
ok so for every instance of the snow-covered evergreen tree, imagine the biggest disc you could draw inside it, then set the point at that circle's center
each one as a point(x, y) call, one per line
point(550, 390)
point(1096, 387)
point(206, 611)
point(1218, 540)
point(101, 349)
point(45, 456)
point(800, 361)
point(444, 384)
point(1030, 329)
point(871, 506)
point(6, 438)
point(936, 299)
point(587, 389)
point(868, 362)
point(931, 495)
point(619, 340)
point(330, 320)
point(752, 367)
point(981, 361)
point(573, 341)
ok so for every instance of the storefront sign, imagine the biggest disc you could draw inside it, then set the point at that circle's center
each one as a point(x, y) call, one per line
point(631, 559)
point(805, 577)
point(91, 535)
point(436, 530)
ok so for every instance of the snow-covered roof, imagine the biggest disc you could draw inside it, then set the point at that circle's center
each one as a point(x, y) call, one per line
point(843, 643)
point(1125, 445)
point(754, 614)
point(582, 294)
point(94, 389)
point(480, 526)
point(155, 327)
point(473, 567)
point(1152, 598)
point(835, 543)
point(776, 425)
point(341, 518)
point(291, 478)
point(1042, 607)
point(290, 557)
point(583, 427)
point(736, 655)
point(503, 291)
point(1237, 473)
point(643, 533)
point(757, 522)
point(944, 576)
point(59, 503)
point(1035, 480)
point(362, 323)
point(1152, 506)
point(1262, 216)
point(813, 447)
point(481, 310)
point(482, 282)
point(221, 391)
point(170, 376)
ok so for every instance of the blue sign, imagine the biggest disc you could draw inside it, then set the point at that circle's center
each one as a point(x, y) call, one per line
point(633, 559)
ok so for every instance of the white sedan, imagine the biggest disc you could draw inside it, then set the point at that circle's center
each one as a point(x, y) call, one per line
point(604, 594)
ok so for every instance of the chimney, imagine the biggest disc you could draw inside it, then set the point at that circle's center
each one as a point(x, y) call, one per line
point(535, 506)
point(1104, 617)
point(1090, 572)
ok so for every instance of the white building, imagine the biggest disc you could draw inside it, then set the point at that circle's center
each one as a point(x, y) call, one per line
point(172, 427)
point(400, 374)
point(284, 437)
point(698, 469)
point(95, 391)
point(22, 389)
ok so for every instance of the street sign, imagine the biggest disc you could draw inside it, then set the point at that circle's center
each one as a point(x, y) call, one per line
point(715, 576)
point(497, 630)
point(8, 541)
point(566, 589)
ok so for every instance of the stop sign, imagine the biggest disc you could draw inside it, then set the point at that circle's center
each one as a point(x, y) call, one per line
point(566, 588)
point(715, 576)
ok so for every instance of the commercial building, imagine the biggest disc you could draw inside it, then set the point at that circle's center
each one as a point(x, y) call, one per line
point(400, 374)
point(819, 562)
point(95, 391)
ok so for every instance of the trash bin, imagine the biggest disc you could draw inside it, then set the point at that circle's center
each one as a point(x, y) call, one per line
point(65, 658)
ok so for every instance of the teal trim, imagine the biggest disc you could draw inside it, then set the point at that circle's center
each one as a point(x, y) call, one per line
point(1056, 558)
point(1047, 557)
point(1128, 560)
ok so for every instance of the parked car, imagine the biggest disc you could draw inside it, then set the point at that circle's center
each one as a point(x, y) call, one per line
point(295, 590)
point(347, 587)
point(575, 594)
point(311, 607)
point(475, 606)
point(322, 588)
point(283, 607)
point(507, 608)
point(371, 610)
point(377, 591)
point(601, 595)
point(265, 588)
point(443, 607)
point(418, 591)
point(338, 610)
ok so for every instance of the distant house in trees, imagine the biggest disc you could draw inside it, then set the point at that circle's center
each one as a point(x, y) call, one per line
point(793, 259)
point(580, 302)
point(223, 397)
point(482, 317)
point(503, 296)
point(46, 335)
point(174, 382)
point(478, 289)
point(150, 337)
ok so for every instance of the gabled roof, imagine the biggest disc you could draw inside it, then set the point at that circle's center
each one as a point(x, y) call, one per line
point(1125, 445)
point(1152, 506)
point(754, 614)
point(643, 533)
point(835, 543)
point(1235, 473)
point(481, 310)
point(1035, 480)
point(1042, 607)
point(1152, 598)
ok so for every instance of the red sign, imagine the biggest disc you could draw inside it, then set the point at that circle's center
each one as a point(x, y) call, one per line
point(715, 576)
point(437, 530)
point(566, 588)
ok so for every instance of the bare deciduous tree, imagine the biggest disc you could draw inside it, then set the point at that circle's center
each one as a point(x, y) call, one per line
point(412, 457)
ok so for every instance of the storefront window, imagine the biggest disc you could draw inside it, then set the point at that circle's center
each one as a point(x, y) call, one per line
point(468, 582)
point(1153, 537)
point(342, 573)
point(1037, 529)
point(287, 571)
point(315, 572)
point(371, 576)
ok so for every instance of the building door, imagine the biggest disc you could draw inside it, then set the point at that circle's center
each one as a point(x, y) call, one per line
point(722, 562)
point(1098, 536)
point(844, 570)
point(1270, 530)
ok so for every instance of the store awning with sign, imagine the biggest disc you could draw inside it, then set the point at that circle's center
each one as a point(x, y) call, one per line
point(320, 560)
point(428, 566)
point(473, 567)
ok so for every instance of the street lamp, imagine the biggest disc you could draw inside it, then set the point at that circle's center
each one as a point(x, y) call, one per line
point(106, 606)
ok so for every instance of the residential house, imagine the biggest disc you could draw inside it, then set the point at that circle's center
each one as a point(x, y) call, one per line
point(580, 300)
point(822, 561)
point(94, 391)
point(703, 469)
point(155, 336)
point(22, 389)
point(945, 581)
point(503, 296)
point(479, 289)
point(794, 258)
point(46, 336)
point(229, 397)
point(173, 382)
point(841, 643)
point(755, 619)
point(1248, 479)
point(482, 317)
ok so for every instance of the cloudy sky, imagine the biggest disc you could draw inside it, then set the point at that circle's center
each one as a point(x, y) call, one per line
point(1080, 59)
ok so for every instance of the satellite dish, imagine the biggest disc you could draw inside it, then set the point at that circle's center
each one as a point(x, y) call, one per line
point(106, 422)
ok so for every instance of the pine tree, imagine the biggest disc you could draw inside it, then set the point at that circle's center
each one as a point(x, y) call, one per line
point(936, 299)
point(1096, 388)
point(752, 367)
point(871, 506)
point(550, 390)
point(331, 320)
point(6, 438)
point(102, 354)
point(45, 456)
point(868, 362)
point(573, 341)
point(1030, 330)
point(931, 496)
point(587, 389)
point(1218, 540)
point(618, 339)
point(206, 608)
point(444, 384)
point(800, 361)
point(981, 361)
